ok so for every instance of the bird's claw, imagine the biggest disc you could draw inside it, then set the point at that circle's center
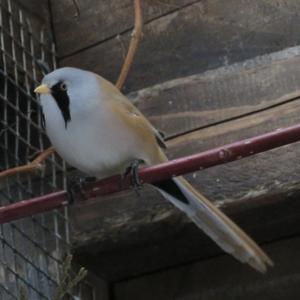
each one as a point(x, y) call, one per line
point(75, 188)
point(133, 169)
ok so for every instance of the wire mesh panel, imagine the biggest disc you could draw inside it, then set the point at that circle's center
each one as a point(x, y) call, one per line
point(31, 250)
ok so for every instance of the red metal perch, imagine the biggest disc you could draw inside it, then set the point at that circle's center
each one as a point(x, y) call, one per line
point(192, 163)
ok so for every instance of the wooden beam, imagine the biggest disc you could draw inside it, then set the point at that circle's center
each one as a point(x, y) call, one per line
point(195, 37)
point(185, 104)
point(99, 21)
point(221, 278)
point(159, 238)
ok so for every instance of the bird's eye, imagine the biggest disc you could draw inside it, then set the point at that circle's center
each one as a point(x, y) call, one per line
point(63, 86)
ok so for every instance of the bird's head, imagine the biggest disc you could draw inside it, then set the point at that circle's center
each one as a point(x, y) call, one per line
point(73, 90)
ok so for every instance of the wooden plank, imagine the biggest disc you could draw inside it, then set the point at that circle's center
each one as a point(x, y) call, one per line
point(221, 279)
point(164, 240)
point(198, 37)
point(108, 236)
point(200, 100)
point(185, 104)
point(99, 21)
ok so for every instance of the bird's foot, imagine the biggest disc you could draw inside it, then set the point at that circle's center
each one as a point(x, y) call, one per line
point(75, 187)
point(133, 169)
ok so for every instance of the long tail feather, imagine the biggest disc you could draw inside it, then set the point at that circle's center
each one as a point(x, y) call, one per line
point(214, 223)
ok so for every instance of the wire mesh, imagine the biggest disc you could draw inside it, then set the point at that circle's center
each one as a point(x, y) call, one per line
point(31, 250)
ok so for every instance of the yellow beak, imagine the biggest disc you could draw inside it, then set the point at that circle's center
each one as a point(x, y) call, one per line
point(42, 89)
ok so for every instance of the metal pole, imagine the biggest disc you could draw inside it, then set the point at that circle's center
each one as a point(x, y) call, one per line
point(176, 167)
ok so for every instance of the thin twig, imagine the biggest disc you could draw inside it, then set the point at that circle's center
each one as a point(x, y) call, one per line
point(36, 164)
point(134, 43)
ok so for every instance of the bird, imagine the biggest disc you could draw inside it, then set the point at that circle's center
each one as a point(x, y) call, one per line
point(96, 129)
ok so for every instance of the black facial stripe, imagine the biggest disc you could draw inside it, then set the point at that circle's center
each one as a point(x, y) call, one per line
point(43, 119)
point(62, 99)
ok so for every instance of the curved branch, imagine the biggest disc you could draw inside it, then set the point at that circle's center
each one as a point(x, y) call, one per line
point(134, 43)
point(36, 164)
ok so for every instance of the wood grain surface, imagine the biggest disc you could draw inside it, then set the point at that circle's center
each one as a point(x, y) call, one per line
point(260, 192)
point(178, 42)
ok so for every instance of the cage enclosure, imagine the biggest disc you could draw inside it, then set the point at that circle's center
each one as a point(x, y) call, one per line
point(32, 249)
point(207, 73)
